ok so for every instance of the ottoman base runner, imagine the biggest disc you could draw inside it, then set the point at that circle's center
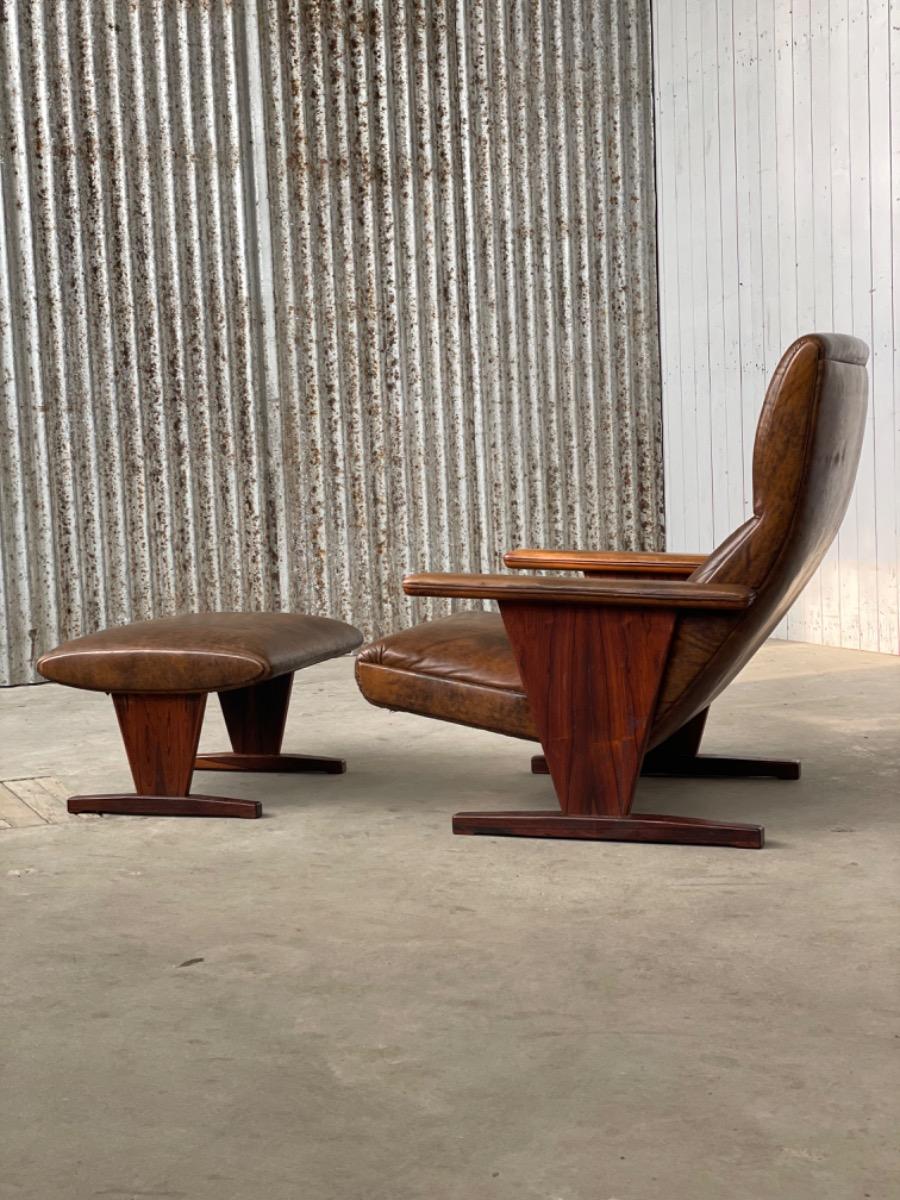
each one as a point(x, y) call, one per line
point(166, 806)
point(288, 764)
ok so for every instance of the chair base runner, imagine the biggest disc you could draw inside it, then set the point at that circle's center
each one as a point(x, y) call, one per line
point(706, 766)
point(132, 804)
point(290, 764)
point(718, 766)
point(636, 827)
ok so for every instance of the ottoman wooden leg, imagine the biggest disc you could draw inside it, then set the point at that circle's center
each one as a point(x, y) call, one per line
point(255, 718)
point(161, 733)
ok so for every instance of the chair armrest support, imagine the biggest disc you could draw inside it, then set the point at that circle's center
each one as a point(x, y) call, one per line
point(633, 593)
point(650, 562)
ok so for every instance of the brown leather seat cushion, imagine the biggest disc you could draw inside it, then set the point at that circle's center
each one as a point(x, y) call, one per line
point(459, 669)
point(198, 652)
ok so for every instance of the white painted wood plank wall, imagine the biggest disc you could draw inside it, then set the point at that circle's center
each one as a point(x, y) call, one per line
point(778, 179)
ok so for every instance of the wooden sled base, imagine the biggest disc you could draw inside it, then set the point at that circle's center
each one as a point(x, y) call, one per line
point(705, 766)
point(716, 766)
point(166, 806)
point(289, 764)
point(636, 827)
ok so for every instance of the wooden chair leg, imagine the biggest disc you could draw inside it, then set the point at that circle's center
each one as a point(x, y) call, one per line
point(678, 757)
point(255, 718)
point(684, 742)
point(161, 733)
point(592, 677)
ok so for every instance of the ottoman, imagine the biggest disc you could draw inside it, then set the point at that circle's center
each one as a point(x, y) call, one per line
point(160, 673)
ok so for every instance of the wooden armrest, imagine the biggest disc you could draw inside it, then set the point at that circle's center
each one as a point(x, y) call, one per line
point(640, 562)
point(636, 593)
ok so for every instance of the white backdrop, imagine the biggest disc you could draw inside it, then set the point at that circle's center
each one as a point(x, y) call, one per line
point(778, 176)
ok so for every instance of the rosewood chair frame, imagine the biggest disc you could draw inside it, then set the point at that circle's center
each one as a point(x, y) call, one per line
point(592, 653)
point(619, 667)
point(678, 756)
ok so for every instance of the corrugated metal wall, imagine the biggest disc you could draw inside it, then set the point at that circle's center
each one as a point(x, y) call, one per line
point(779, 212)
point(298, 296)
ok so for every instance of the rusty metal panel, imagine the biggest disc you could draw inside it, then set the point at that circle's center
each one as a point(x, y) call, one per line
point(297, 295)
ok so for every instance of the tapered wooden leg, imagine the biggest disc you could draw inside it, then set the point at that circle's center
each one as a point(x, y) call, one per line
point(678, 757)
point(255, 718)
point(592, 677)
point(683, 744)
point(161, 733)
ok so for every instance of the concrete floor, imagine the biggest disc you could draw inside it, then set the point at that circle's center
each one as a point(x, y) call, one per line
point(377, 1010)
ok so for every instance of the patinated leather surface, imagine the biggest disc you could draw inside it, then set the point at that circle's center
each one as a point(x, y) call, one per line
point(197, 652)
point(804, 466)
point(459, 669)
point(805, 459)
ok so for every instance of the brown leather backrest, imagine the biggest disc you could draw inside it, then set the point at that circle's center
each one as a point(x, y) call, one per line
point(805, 458)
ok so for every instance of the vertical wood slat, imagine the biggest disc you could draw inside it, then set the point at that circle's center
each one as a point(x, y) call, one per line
point(794, 116)
point(297, 296)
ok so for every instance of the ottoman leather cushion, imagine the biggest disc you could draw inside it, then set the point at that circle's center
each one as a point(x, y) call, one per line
point(460, 668)
point(197, 652)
